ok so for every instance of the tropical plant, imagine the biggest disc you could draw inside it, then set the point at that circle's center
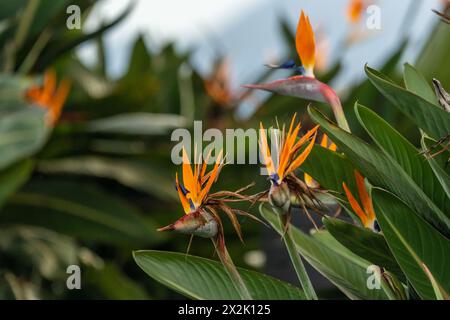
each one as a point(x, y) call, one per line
point(400, 230)
point(85, 169)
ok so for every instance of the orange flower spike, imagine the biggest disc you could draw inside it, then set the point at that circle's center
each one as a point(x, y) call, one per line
point(58, 100)
point(265, 150)
point(364, 197)
point(355, 10)
point(184, 201)
point(302, 157)
point(189, 180)
point(49, 97)
point(355, 205)
point(305, 44)
point(212, 177)
point(287, 151)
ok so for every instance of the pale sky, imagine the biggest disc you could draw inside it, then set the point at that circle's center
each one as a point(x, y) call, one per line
point(247, 31)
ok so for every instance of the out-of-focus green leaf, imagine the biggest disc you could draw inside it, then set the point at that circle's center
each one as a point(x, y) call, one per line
point(416, 83)
point(114, 284)
point(137, 124)
point(365, 243)
point(400, 150)
point(433, 61)
point(383, 172)
point(343, 268)
point(37, 248)
point(413, 242)
point(429, 117)
point(66, 46)
point(13, 177)
point(204, 279)
point(12, 93)
point(130, 173)
point(79, 210)
point(22, 133)
point(11, 8)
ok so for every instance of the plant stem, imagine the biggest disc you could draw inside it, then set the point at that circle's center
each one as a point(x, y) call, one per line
point(297, 260)
point(333, 100)
point(235, 277)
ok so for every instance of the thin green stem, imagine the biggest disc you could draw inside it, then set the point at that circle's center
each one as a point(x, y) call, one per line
point(297, 260)
point(230, 268)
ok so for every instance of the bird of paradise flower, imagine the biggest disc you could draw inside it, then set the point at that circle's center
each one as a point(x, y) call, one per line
point(49, 96)
point(288, 191)
point(365, 213)
point(202, 208)
point(305, 85)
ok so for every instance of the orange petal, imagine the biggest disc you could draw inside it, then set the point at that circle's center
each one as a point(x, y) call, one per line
point(287, 152)
point(310, 182)
point(332, 147)
point(188, 177)
point(355, 205)
point(59, 99)
point(49, 86)
point(355, 10)
point(212, 177)
point(324, 142)
point(305, 138)
point(183, 199)
point(302, 157)
point(305, 44)
point(364, 196)
point(265, 150)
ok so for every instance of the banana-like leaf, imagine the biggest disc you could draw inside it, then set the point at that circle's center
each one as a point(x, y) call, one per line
point(413, 242)
point(22, 133)
point(417, 84)
point(427, 116)
point(438, 159)
point(330, 169)
point(343, 268)
point(132, 174)
point(400, 150)
point(81, 211)
point(383, 172)
point(137, 124)
point(365, 243)
point(204, 279)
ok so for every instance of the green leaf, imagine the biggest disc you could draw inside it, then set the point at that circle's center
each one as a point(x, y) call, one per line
point(330, 169)
point(114, 284)
point(365, 243)
point(343, 268)
point(429, 117)
point(22, 133)
point(132, 174)
point(200, 278)
point(438, 162)
point(79, 210)
point(400, 150)
point(137, 124)
point(382, 171)
point(413, 242)
point(13, 178)
point(417, 84)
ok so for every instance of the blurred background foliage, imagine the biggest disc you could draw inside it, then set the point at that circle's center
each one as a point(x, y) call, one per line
point(99, 183)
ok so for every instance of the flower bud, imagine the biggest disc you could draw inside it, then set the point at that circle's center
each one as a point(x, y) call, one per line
point(280, 197)
point(199, 223)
